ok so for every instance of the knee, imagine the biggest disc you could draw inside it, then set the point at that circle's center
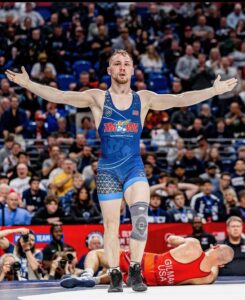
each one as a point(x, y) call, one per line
point(139, 216)
point(111, 225)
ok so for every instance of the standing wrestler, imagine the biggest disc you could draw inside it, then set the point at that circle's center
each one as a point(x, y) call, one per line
point(119, 115)
point(186, 263)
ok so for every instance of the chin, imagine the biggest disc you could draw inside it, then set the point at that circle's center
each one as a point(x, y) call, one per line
point(121, 81)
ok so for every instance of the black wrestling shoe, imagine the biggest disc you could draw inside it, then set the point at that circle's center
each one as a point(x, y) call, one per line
point(135, 279)
point(115, 281)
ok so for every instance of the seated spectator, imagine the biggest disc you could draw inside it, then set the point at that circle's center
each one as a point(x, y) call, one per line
point(38, 129)
point(123, 39)
point(63, 181)
point(238, 176)
point(60, 159)
point(164, 137)
point(195, 130)
point(235, 239)
point(214, 59)
point(151, 157)
point(224, 184)
point(51, 213)
point(207, 205)
point(25, 252)
point(176, 153)
point(182, 119)
point(83, 210)
point(34, 196)
point(64, 136)
point(4, 191)
point(151, 60)
point(205, 114)
point(201, 30)
point(239, 210)
point(152, 179)
point(6, 149)
point(77, 147)
point(85, 159)
point(236, 15)
point(181, 213)
point(193, 166)
point(235, 120)
point(37, 71)
point(215, 157)
point(93, 241)
point(206, 239)
point(87, 128)
point(155, 213)
point(12, 213)
point(211, 174)
point(203, 148)
point(21, 182)
point(89, 174)
point(230, 201)
point(51, 163)
point(36, 17)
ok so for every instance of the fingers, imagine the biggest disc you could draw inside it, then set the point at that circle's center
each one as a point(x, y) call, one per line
point(9, 72)
point(231, 81)
point(23, 69)
point(218, 78)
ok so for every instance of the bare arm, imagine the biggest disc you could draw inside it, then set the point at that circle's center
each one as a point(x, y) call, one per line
point(6, 232)
point(165, 101)
point(77, 99)
point(189, 188)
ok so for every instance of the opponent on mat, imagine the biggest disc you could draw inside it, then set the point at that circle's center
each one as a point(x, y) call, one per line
point(186, 263)
point(119, 115)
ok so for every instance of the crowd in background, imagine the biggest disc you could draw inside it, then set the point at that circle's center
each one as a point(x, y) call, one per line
point(194, 157)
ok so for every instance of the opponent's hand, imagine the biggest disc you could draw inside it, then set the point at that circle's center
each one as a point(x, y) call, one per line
point(221, 87)
point(21, 79)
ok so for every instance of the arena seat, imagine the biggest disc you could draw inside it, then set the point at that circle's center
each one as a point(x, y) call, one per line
point(64, 80)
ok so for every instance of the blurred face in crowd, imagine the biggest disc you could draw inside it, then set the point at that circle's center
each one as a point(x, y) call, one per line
point(14, 101)
point(179, 201)
point(35, 185)
point(189, 153)
point(68, 166)
point(83, 195)
point(57, 233)
point(121, 68)
point(240, 166)
point(148, 170)
point(12, 201)
point(87, 151)
point(22, 171)
point(197, 224)
point(207, 188)
point(155, 201)
point(234, 229)
point(4, 191)
point(171, 189)
point(80, 139)
point(230, 197)
point(52, 207)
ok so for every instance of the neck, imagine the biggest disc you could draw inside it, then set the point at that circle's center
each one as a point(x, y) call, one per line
point(117, 88)
point(235, 240)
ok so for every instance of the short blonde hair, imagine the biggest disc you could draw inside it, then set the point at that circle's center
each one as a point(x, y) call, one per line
point(122, 52)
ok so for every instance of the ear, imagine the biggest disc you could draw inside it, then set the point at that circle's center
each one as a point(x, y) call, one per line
point(109, 71)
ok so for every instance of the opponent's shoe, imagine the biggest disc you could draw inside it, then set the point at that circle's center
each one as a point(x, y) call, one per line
point(74, 281)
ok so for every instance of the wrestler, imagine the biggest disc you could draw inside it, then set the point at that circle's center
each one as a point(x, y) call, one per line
point(119, 115)
point(185, 263)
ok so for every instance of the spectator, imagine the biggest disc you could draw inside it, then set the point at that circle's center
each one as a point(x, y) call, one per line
point(152, 158)
point(224, 184)
point(14, 121)
point(235, 120)
point(12, 213)
point(85, 159)
point(181, 213)
point(235, 239)
point(239, 210)
point(195, 130)
point(76, 148)
point(230, 201)
point(63, 181)
point(9, 268)
point(25, 252)
point(193, 166)
point(50, 163)
point(214, 59)
point(33, 197)
point(37, 19)
point(83, 210)
point(51, 213)
point(207, 205)
point(21, 182)
point(185, 65)
point(152, 179)
point(205, 114)
point(4, 191)
point(151, 60)
point(182, 119)
point(235, 16)
point(176, 153)
point(37, 71)
point(201, 30)
point(123, 39)
point(211, 174)
point(6, 149)
point(155, 213)
point(214, 156)
point(206, 239)
point(238, 176)
point(64, 137)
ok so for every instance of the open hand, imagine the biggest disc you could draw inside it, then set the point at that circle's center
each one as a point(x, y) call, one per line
point(21, 79)
point(221, 87)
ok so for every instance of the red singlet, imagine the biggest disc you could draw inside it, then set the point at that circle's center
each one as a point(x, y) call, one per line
point(163, 269)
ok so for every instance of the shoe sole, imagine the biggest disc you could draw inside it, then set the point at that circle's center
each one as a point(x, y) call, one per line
point(74, 282)
point(115, 290)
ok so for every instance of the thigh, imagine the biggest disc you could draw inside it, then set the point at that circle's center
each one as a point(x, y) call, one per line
point(138, 191)
point(110, 210)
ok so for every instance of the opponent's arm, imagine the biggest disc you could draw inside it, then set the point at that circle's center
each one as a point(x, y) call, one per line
point(77, 99)
point(165, 101)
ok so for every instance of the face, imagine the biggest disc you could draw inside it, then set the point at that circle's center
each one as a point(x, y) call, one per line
point(229, 197)
point(78, 182)
point(35, 185)
point(155, 201)
point(95, 244)
point(22, 171)
point(225, 181)
point(83, 195)
point(57, 233)
point(179, 201)
point(197, 224)
point(12, 201)
point(52, 207)
point(14, 102)
point(148, 169)
point(234, 229)
point(207, 188)
point(171, 189)
point(240, 166)
point(87, 151)
point(121, 69)
point(68, 166)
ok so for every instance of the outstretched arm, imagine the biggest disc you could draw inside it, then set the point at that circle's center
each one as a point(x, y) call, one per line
point(78, 99)
point(165, 101)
